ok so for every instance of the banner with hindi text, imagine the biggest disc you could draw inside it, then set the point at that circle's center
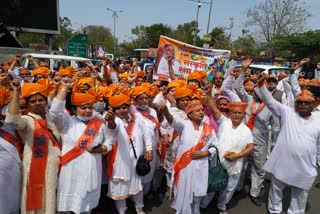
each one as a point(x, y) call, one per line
point(186, 58)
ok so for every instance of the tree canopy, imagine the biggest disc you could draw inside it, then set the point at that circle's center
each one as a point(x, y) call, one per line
point(273, 18)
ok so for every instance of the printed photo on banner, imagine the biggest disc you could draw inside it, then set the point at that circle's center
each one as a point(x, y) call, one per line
point(185, 58)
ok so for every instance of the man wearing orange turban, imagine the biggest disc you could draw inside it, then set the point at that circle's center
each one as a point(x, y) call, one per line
point(39, 73)
point(249, 87)
point(42, 148)
point(299, 134)
point(84, 140)
point(191, 159)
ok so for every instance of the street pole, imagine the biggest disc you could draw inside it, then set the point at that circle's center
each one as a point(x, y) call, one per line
point(114, 15)
point(209, 17)
point(196, 28)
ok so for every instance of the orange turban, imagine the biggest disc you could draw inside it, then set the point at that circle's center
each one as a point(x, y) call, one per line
point(141, 74)
point(106, 91)
point(303, 82)
point(249, 85)
point(146, 88)
point(193, 106)
point(43, 87)
point(182, 78)
point(237, 106)
point(305, 95)
point(5, 96)
point(191, 91)
point(79, 85)
point(114, 88)
point(177, 84)
point(6, 67)
point(124, 75)
point(283, 75)
point(125, 97)
point(314, 83)
point(68, 71)
point(41, 71)
point(197, 75)
point(90, 98)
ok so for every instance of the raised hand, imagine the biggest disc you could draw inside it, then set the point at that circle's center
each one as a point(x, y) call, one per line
point(15, 85)
point(246, 62)
point(110, 118)
point(261, 79)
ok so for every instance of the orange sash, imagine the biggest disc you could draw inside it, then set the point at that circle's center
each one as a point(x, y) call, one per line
point(38, 165)
point(13, 140)
point(85, 140)
point(150, 117)
point(185, 159)
point(253, 115)
point(111, 156)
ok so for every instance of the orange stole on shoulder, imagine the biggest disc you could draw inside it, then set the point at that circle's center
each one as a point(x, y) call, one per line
point(85, 140)
point(185, 159)
point(12, 139)
point(111, 156)
point(40, 148)
point(252, 118)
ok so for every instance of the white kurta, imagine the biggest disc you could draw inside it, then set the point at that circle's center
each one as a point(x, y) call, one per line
point(232, 140)
point(296, 154)
point(155, 163)
point(80, 179)
point(193, 179)
point(10, 174)
point(25, 126)
point(125, 181)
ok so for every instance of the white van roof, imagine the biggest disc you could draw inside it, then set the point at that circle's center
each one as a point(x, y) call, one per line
point(35, 55)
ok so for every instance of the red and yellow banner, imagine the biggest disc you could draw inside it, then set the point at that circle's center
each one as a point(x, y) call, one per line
point(186, 58)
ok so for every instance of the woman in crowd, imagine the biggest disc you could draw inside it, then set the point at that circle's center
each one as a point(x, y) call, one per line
point(42, 150)
point(84, 141)
point(131, 137)
point(144, 93)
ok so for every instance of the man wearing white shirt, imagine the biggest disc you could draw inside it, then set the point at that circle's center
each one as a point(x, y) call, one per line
point(294, 160)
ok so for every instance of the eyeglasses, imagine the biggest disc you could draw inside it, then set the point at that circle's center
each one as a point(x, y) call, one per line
point(304, 102)
point(249, 90)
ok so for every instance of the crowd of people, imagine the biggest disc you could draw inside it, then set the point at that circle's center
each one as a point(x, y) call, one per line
point(67, 134)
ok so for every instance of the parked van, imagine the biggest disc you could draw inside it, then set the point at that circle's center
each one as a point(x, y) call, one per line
point(53, 61)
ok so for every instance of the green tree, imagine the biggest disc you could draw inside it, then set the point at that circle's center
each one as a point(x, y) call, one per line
point(66, 33)
point(298, 46)
point(184, 32)
point(219, 39)
point(273, 18)
point(99, 35)
point(153, 33)
point(247, 44)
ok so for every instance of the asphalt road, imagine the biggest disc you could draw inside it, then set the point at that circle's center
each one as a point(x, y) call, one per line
point(240, 204)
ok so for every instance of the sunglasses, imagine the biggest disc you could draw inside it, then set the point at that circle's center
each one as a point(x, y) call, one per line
point(250, 90)
point(304, 102)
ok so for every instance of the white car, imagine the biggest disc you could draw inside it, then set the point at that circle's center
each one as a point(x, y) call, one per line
point(53, 61)
point(268, 69)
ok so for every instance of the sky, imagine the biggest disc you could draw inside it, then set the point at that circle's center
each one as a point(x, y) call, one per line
point(169, 12)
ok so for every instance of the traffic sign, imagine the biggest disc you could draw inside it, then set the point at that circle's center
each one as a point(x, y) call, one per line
point(78, 46)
